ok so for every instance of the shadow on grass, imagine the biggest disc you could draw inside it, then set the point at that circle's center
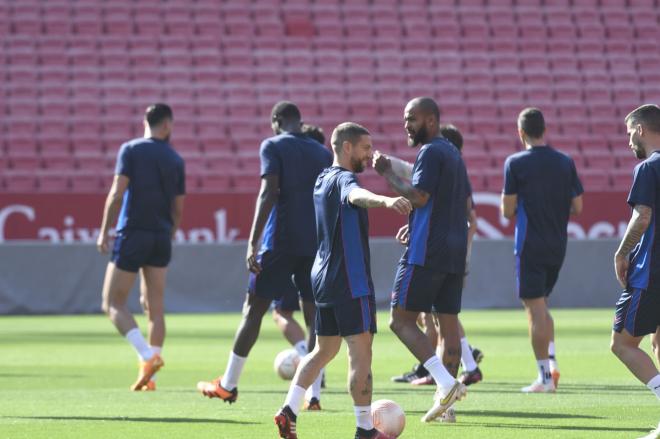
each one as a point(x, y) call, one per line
point(518, 415)
point(131, 419)
point(550, 427)
point(40, 375)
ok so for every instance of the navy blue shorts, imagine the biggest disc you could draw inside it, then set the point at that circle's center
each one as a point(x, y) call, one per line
point(422, 289)
point(638, 312)
point(349, 318)
point(281, 276)
point(288, 302)
point(533, 279)
point(136, 248)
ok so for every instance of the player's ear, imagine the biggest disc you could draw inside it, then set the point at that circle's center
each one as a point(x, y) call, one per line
point(346, 147)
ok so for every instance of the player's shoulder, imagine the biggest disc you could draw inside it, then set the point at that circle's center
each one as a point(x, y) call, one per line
point(517, 157)
point(650, 163)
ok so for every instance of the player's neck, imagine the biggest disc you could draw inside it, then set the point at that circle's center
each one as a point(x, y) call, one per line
point(337, 162)
point(536, 142)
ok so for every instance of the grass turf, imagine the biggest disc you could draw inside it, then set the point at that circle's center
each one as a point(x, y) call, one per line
point(68, 376)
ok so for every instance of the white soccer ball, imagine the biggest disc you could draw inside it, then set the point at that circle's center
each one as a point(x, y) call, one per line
point(286, 363)
point(388, 417)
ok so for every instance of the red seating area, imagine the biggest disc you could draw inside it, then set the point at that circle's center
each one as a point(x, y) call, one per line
point(76, 77)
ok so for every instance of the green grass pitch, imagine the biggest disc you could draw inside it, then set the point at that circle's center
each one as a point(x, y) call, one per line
point(68, 377)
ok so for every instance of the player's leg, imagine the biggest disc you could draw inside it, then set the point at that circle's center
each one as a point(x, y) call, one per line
point(152, 291)
point(117, 286)
point(637, 314)
point(360, 381)
point(415, 289)
point(327, 346)
point(450, 342)
point(289, 326)
point(303, 282)
point(626, 347)
point(471, 373)
point(539, 334)
point(552, 274)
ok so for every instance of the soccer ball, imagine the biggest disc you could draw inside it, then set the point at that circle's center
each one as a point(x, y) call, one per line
point(388, 417)
point(286, 363)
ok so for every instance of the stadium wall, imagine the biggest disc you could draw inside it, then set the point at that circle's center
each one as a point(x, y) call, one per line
point(37, 278)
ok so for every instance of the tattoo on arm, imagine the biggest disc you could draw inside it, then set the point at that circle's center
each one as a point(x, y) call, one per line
point(638, 224)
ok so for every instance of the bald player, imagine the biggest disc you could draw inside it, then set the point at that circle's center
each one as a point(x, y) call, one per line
point(430, 273)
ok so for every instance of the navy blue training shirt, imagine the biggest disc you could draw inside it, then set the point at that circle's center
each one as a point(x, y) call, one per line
point(546, 182)
point(156, 176)
point(297, 160)
point(341, 269)
point(644, 270)
point(438, 230)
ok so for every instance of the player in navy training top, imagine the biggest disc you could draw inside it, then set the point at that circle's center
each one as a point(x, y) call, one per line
point(541, 189)
point(341, 278)
point(636, 263)
point(147, 194)
point(419, 375)
point(290, 164)
point(430, 273)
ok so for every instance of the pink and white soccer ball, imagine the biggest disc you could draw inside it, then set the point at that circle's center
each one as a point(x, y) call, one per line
point(286, 363)
point(388, 417)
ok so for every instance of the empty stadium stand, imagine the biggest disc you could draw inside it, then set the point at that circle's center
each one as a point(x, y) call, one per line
point(77, 75)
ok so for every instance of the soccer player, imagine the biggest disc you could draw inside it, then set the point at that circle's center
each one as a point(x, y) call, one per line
point(637, 269)
point(469, 357)
point(284, 307)
point(284, 213)
point(541, 189)
point(430, 273)
point(343, 289)
point(147, 194)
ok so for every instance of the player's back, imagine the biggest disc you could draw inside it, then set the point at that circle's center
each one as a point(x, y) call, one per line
point(342, 266)
point(297, 160)
point(546, 182)
point(438, 230)
point(156, 175)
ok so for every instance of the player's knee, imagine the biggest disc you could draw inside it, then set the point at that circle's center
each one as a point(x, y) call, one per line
point(616, 346)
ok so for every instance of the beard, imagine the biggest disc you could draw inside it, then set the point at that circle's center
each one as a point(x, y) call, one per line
point(357, 166)
point(418, 138)
point(638, 149)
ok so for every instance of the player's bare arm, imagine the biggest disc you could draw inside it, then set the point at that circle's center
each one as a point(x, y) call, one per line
point(367, 199)
point(576, 205)
point(508, 206)
point(400, 167)
point(383, 166)
point(111, 211)
point(266, 200)
point(639, 222)
point(177, 213)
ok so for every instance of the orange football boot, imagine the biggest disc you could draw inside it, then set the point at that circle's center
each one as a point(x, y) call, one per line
point(147, 370)
point(214, 389)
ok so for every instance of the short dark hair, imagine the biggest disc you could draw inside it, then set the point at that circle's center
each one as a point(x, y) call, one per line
point(155, 114)
point(315, 132)
point(287, 111)
point(531, 121)
point(347, 131)
point(451, 133)
point(647, 115)
point(427, 105)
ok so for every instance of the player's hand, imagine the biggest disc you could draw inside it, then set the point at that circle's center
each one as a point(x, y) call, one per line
point(103, 243)
point(251, 259)
point(381, 163)
point(399, 204)
point(403, 235)
point(621, 265)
